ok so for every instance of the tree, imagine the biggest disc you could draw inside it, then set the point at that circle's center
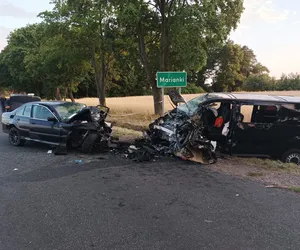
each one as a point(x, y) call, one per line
point(259, 82)
point(93, 20)
point(66, 63)
point(289, 82)
point(22, 58)
point(6, 80)
point(234, 64)
point(175, 35)
point(41, 61)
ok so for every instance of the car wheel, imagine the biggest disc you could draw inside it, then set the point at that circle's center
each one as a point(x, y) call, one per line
point(88, 143)
point(292, 156)
point(15, 138)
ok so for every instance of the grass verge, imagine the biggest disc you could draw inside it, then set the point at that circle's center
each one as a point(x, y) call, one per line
point(269, 164)
point(295, 189)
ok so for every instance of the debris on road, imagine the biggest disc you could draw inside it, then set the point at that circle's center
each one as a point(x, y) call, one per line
point(277, 186)
point(15, 169)
point(78, 161)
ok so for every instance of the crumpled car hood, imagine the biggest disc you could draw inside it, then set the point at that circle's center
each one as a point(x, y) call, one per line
point(175, 97)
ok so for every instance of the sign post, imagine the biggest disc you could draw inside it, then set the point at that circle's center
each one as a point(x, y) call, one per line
point(170, 79)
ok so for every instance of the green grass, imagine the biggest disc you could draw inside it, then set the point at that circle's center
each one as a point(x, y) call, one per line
point(270, 164)
point(295, 189)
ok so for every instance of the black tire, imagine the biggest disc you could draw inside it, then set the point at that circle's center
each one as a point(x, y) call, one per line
point(15, 138)
point(89, 143)
point(291, 156)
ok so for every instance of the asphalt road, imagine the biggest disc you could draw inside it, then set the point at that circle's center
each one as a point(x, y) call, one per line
point(50, 202)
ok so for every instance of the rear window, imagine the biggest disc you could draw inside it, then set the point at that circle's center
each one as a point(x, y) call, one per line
point(27, 111)
point(20, 111)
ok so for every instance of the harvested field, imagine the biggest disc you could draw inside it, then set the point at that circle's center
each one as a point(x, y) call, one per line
point(144, 104)
point(136, 112)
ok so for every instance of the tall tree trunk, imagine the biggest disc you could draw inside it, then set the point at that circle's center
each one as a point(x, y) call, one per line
point(96, 69)
point(157, 95)
point(102, 80)
point(162, 55)
point(58, 95)
point(71, 94)
point(65, 94)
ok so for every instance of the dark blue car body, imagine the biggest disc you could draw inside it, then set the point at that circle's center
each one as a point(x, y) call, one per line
point(53, 131)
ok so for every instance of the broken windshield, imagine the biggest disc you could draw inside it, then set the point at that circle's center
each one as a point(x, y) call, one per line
point(191, 107)
point(67, 110)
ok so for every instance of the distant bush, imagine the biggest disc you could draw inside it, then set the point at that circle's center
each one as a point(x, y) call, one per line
point(192, 88)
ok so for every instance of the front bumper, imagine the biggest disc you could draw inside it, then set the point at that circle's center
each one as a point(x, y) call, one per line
point(5, 128)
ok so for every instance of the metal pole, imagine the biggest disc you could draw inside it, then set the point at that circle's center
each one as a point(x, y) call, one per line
point(163, 101)
point(180, 91)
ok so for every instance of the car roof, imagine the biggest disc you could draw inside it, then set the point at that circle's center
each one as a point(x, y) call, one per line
point(52, 103)
point(253, 97)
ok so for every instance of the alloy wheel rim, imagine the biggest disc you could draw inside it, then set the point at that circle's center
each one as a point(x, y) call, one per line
point(294, 158)
point(14, 137)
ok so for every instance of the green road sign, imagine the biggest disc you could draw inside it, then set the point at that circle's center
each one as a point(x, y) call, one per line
point(171, 79)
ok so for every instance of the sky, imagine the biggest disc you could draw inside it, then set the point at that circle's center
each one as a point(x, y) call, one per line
point(269, 27)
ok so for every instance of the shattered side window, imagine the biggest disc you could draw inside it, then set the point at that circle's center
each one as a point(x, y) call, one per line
point(267, 114)
point(289, 113)
point(192, 105)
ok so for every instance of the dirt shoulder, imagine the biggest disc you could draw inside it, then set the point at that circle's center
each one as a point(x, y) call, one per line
point(271, 173)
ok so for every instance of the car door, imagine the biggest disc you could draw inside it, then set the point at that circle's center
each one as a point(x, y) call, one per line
point(22, 119)
point(41, 129)
point(255, 131)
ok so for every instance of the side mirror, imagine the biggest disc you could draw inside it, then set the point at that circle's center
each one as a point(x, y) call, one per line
point(51, 119)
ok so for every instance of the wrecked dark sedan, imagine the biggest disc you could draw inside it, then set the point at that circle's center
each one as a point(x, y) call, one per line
point(61, 124)
point(236, 124)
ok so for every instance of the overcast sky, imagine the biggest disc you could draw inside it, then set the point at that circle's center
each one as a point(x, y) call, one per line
point(270, 28)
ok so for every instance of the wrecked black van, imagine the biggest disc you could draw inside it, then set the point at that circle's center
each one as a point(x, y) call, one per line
point(235, 124)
